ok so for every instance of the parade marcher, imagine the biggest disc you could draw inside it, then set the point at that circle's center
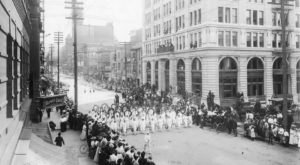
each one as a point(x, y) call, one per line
point(147, 139)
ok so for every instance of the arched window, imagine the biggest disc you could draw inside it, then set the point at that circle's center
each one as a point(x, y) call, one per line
point(228, 78)
point(167, 77)
point(277, 77)
point(196, 77)
point(180, 77)
point(148, 70)
point(255, 80)
point(298, 77)
point(156, 74)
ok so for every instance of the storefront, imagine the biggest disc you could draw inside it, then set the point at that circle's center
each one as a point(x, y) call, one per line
point(255, 79)
point(228, 80)
point(180, 77)
point(196, 77)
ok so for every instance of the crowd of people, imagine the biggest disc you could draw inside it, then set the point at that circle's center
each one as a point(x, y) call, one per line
point(105, 145)
point(269, 126)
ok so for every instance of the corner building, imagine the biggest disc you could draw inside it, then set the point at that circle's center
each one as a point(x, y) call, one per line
point(226, 46)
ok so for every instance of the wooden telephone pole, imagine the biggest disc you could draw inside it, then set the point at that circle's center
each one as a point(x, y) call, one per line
point(75, 6)
point(58, 39)
point(284, 12)
point(51, 59)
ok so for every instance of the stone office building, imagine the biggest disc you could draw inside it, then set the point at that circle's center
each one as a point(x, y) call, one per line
point(223, 46)
point(19, 53)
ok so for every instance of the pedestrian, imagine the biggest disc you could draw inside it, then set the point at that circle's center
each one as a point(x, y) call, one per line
point(48, 112)
point(59, 140)
point(117, 98)
point(40, 113)
point(270, 134)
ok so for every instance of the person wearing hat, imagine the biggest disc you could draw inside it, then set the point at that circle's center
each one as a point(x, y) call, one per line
point(59, 141)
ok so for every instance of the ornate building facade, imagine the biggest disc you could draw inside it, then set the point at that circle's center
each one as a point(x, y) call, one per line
point(223, 46)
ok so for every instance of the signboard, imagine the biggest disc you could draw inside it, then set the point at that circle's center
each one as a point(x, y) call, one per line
point(52, 101)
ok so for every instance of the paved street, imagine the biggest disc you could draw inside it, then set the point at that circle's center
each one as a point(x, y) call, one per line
point(87, 99)
point(193, 146)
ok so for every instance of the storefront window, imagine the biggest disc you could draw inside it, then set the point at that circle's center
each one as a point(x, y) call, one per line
point(298, 77)
point(167, 78)
point(148, 70)
point(156, 74)
point(277, 77)
point(196, 77)
point(255, 76)
point(228, 78)
point(180, 77)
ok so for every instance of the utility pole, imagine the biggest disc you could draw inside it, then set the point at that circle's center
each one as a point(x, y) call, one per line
point(51, 59)
point(58, 39)
point(284, 53)
point(75, 6)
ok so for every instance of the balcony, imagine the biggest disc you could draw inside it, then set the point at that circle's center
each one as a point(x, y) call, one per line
point(165, 49)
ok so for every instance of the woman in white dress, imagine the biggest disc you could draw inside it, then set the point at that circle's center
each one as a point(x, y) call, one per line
point(143, 124)
point(134, 125)
point(83, 133)
point(160, 123)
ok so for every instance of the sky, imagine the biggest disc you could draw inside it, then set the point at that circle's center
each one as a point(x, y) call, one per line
point(126, 15)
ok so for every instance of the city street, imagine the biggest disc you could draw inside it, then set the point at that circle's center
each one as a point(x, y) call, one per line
point(194, 146)
point(86, 97)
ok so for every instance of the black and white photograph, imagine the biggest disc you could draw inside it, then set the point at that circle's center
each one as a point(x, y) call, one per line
point(149, 82)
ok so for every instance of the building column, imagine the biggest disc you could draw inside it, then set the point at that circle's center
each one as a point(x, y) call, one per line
point(144, 72)
point(152, 72)
point(161, 75)
point(173, 75)
point(210, 78)
point(188, 74)
point(293, 62)
point(268, 80)
point(242, 77)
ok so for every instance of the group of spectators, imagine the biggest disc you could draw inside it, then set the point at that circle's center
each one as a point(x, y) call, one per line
point(107, 148)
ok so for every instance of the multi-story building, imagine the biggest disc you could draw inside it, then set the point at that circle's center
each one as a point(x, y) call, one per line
point(120, 70)
point(134, 61)
point(91, 38)
point(226, 46)
point(20, 27)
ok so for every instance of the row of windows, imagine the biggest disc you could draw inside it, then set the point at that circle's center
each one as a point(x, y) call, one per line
point(156, 30)
point(167, 9)
point(147, 18)
point(255, 39)
point(276, 19)
point(195, 17)
point(167, 27)
point(255, 17)
point(147, 34)
point(256, 1)
point(179, 23)
point(180, 42)
point(179, 4)
point(194, 1)
point(156, 14)
point(227, 15)
point(195, 40)
point(228, 38)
